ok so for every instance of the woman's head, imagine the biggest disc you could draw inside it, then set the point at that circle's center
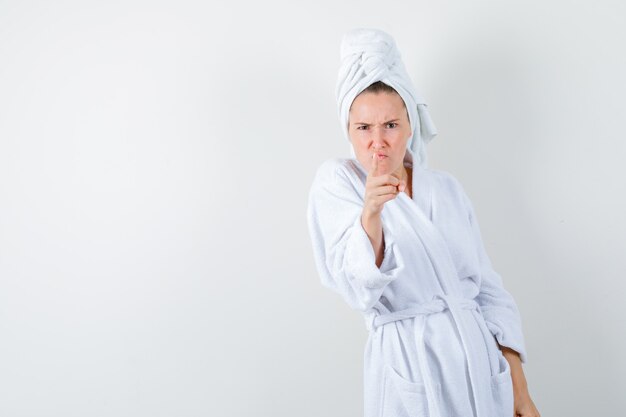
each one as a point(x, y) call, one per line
point(369, 55)
point(378, 122)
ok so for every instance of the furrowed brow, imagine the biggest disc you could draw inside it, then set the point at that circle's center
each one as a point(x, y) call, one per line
point(367, 124)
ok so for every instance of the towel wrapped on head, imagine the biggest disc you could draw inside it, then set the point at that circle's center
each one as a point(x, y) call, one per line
point(370, 55)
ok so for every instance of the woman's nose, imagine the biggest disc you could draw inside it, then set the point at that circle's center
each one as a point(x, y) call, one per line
point(378, 138)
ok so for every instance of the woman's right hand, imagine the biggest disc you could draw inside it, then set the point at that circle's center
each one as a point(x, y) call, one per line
point(380, 188)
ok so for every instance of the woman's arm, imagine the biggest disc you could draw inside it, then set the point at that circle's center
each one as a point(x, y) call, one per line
point(501, 317)
point(523, 405)
point(517, 373)
point(372, 224)
point(497, 305)
point(343, 250)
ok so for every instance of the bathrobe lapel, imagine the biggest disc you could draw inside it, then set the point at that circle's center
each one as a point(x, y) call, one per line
point(421, 209)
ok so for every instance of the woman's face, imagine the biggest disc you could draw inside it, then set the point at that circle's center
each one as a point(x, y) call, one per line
point(379, 124)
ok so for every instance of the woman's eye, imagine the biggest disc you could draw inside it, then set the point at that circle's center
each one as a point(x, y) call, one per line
point(361, 127)
point(392, 123)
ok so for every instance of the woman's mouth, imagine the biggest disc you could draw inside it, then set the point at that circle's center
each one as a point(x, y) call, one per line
point(381, 156)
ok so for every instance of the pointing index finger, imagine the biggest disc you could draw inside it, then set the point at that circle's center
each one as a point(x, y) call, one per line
point(374, 166)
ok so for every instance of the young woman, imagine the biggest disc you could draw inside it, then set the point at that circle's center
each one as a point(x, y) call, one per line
point(401, 243)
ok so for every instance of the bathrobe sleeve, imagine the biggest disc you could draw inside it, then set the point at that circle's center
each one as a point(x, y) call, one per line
point(343, 253)
point(496, 303)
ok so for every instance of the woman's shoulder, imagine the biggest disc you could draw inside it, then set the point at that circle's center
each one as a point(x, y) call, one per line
point(448, 183)
point(446, 178)
point(330, 168)
point(339, 177)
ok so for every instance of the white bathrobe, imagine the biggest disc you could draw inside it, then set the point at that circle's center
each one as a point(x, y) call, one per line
point(434, 309)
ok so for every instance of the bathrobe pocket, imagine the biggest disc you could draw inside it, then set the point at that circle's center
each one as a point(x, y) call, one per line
point(502, 389)
point(402, 397)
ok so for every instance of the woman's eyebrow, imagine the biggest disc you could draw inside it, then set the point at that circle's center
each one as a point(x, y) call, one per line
point(388, 121)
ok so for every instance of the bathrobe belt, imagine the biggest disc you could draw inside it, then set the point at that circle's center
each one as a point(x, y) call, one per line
point(438, 304)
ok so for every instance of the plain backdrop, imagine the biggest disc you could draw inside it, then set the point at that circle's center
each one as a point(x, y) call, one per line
point(155, 163)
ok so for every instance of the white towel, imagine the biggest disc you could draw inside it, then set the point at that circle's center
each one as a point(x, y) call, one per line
point(370, 55)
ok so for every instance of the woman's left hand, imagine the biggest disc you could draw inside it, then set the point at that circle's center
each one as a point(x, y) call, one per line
point(522, 404)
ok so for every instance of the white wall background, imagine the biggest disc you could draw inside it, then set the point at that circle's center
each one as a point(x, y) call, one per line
point(155, 160)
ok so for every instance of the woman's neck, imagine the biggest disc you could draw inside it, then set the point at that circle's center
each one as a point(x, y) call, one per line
point(409, 182)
